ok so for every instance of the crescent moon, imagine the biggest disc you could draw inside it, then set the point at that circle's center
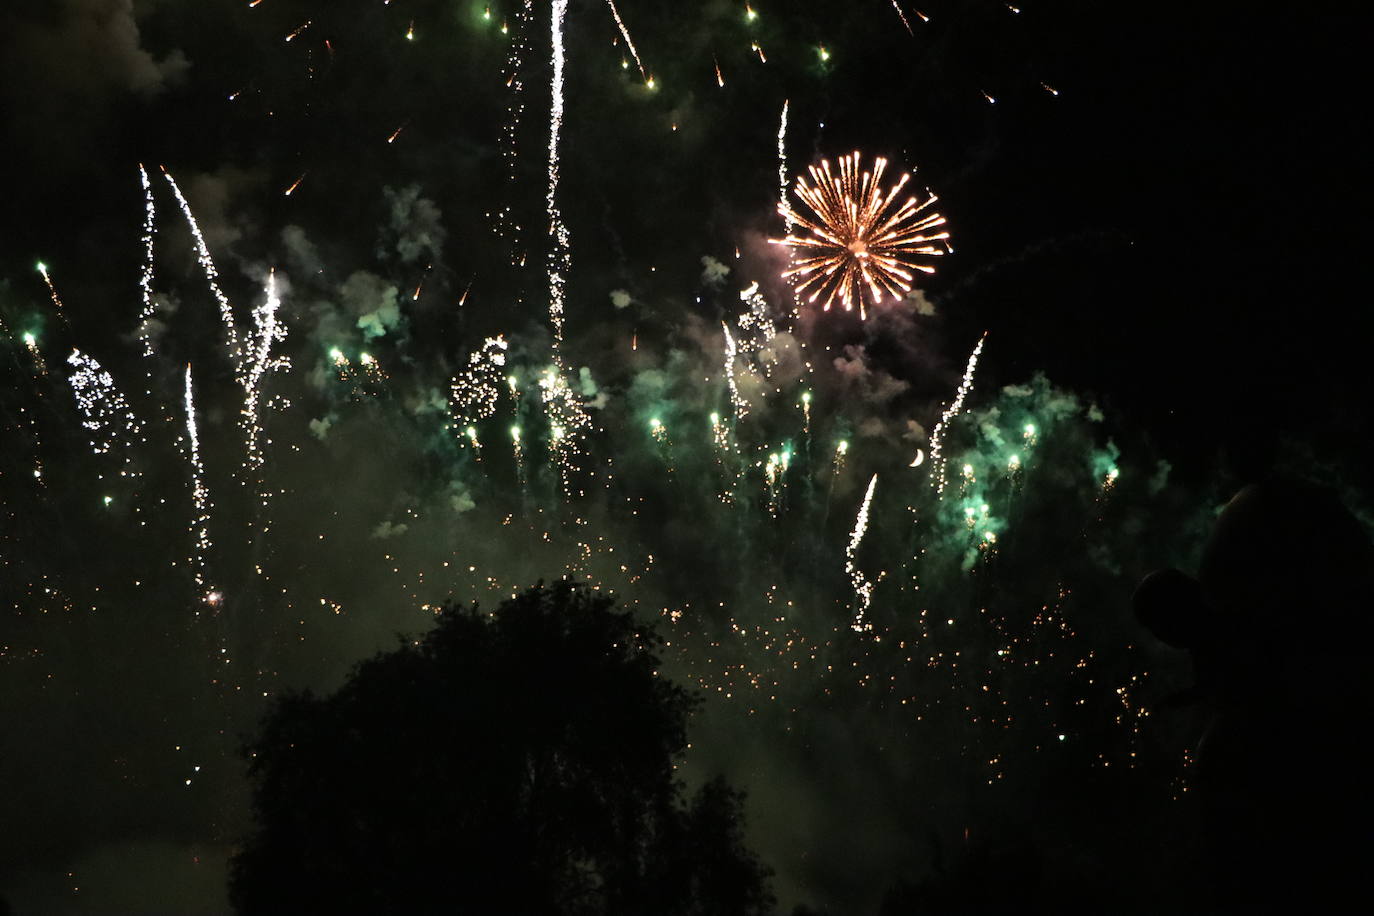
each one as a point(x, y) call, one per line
point(919, 459)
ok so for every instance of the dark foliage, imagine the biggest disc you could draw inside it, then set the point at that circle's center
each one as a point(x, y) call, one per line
point(517, 762)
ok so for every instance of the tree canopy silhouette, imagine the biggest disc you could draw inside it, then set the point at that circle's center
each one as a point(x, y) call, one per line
point(514, 762)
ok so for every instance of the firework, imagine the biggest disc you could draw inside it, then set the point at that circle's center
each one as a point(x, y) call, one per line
point(105, 413)
point(560, 257)
point(787, 221)
point(207, 264)
point(267, 331)
point(629, 42)
point(863, 588)
point(898, 7)
point(863, 239)
point(145, 280)
point(475, 391)
point(200, 495)
point(937, 456)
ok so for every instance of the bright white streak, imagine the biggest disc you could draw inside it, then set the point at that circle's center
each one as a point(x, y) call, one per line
point(731, 352)
point(937, 456)
point(200, 521)
point(863, 589)
point(897, 6)
point(560, 257)
point(207, 264)
point(628, 40)
point(268, 331)
point(782, 171)
point(145, 280)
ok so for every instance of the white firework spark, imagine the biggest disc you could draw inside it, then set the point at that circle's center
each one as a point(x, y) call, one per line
point(863, 588)
point(937, 456)
point(105, 412)
point(207, 264)
point(200, 495)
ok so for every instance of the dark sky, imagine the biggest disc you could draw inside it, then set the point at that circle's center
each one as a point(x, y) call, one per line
point(1157, 222)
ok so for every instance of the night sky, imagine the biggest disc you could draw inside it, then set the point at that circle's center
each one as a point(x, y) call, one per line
point(1156, 219)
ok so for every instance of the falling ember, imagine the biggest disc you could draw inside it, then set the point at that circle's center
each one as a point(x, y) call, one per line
point(395, 133)
point(924, 17)
point(862, 244)
point(295, 184)
point(759, 51)
point(991, 100)
point(462, 300)
point(301, 28)
point(410, 32)
point(720, 80)
point(629, 42)
point(1050, 89)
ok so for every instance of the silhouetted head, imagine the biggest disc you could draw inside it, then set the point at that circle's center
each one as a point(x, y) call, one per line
point(1286, 570)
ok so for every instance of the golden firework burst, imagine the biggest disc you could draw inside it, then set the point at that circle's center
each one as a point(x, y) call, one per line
point(862, 244)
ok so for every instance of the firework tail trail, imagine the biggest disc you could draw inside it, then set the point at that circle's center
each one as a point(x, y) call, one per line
point(200, 519)
point(628, 40)
point(938, 459)
point(782, 171)
point(863, 588)
point(560, 257)
point(569, 418)
point(145, 279)
point(898, 7)
point(207, 264)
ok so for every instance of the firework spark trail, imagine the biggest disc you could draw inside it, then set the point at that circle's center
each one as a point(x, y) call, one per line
point(741, 406)
point(105, 412)
point(898, 7)
point(862, 243)
point(267, 332)
point(863, 588)
point(145, 280)
point(938, 459)
point(782, 171)
point(207, 264)
point(200, 520)
point(52, 292)
point(628, 40)
point(509, 131)
point(560, 257)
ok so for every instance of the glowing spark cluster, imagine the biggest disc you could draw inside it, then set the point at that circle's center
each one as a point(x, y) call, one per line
point(787, 221)
point(105, 413)
point(475, 391)
point(863, 238)
point(937, 455)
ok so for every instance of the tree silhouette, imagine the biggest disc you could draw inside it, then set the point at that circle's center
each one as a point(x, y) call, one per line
point(515, 762)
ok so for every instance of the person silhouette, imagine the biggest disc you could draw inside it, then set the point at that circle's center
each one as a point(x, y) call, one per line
point(1277, 622)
